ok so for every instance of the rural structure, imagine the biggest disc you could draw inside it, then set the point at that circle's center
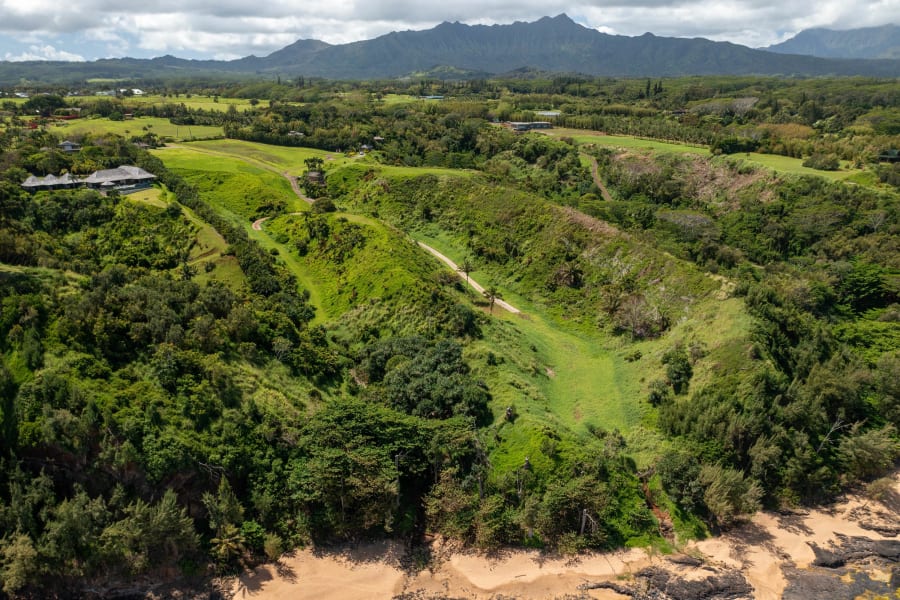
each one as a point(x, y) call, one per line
point(124, 179)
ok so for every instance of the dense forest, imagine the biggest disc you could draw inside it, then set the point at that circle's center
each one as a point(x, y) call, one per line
point(160, 419)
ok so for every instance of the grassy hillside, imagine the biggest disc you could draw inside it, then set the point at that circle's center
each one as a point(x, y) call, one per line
point(567, 340)
point(562, 373)
point(161, 127)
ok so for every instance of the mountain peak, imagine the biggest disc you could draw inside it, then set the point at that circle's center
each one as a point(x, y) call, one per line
point(866, 42)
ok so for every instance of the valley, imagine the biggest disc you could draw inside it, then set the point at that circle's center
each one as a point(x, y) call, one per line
point(352, 317)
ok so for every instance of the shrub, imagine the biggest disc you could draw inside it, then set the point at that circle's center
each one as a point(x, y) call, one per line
point(823, 162)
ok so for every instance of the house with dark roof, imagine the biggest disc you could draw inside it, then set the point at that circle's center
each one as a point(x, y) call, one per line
point(890, 155)
point(124, 179)
point(67, 146)
point(520, 126)
point(51, 182)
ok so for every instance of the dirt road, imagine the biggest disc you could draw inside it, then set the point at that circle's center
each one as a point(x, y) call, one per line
point(501, 303)
point(595, 173)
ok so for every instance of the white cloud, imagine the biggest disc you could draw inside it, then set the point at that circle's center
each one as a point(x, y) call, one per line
point(46, 52)
point(233, 28)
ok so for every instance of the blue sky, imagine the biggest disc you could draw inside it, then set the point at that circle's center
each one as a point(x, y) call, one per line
point(226, 29)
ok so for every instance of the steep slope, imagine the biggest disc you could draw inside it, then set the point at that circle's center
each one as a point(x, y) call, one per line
point(866, 42)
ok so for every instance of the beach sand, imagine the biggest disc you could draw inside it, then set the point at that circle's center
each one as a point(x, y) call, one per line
point(759, 549)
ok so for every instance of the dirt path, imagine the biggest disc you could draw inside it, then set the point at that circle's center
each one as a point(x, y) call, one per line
point(501, 303)
point(595, 173)
point(257, 224)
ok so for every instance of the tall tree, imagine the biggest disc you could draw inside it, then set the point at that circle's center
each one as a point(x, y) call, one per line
point(492, 294)
point(466, 266)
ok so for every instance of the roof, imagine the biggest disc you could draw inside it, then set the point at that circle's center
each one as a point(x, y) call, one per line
point(106, 177)
point(49, 180)
point(123, 173)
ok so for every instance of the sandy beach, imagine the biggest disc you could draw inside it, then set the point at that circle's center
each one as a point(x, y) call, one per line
point(760, 550)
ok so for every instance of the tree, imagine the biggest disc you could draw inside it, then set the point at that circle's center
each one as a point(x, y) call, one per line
point(729, 496)
point(678, 369)
point(492, 295)
point(466, 266)
point(19, 563)
point(868, 454)
point(228, 545)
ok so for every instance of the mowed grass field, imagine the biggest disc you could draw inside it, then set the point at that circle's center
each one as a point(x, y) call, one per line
point(281, 158)
point(794, 166)
point(242, 188)
point(582, 136)
point(200, 102)
point(161, 127)
point(780, 164)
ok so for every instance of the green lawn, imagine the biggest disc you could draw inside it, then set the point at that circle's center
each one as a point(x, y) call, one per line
point(794, 166)
point(152, 196)
point(779, 164)
point(282, 158)
point(390, 99)
point(201, 102)
point(246, 189)
point(161, 127)
point(582, 136)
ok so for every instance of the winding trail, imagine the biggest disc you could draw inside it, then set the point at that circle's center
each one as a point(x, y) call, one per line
point(499, 302)
point(595, 173)
point(295, 186)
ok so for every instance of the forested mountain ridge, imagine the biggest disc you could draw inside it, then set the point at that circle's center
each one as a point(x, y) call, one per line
point(556, 44)
point(866, 42)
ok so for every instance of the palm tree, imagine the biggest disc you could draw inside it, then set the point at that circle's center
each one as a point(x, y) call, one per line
point(492, 294)
point(467, 266)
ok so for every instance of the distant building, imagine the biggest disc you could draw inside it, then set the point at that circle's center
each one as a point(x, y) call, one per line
point(551, 114)
point(892, 155)
point(68, 146)
point(521, 126)
point(50, 182)
point(124, 179)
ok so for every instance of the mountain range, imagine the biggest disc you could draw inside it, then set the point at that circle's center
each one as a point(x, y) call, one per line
point(867, 42)
point(551, 44)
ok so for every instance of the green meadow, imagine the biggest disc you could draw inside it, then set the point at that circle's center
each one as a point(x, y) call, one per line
point(582, 136)
point(193, 102)
point(280, 158)
point(785, 165)
point(794, 166)
point(246, 190)
point(131, 127)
